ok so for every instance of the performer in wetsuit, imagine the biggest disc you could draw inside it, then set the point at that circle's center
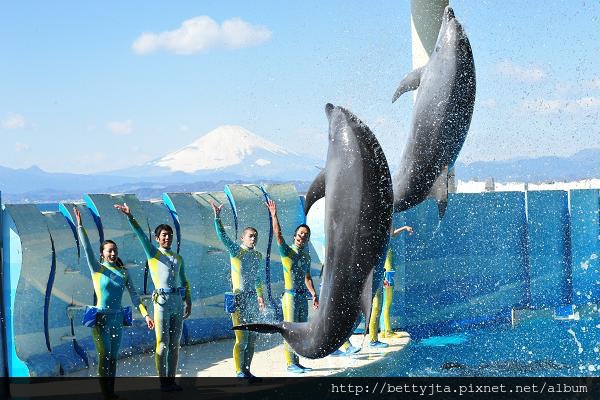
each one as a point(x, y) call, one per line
point(246, 284)
point(296, 275)
point(110, 278)
point(378, 298)
point(388, 286)
point(170, 285)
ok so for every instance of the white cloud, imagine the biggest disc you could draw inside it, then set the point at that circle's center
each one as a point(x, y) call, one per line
point(519, 73)
point(22, 147)
point(200, 34)
point(545, 106)
point(121, 127)
point(14, 121)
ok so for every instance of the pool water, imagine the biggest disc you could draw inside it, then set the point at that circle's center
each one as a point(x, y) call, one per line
point(537, 347)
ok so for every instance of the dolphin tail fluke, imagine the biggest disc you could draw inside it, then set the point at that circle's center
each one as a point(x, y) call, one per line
point(439, 191)
point(410, 82)
point(315, 191)
point(366, 300)
point(261, 328)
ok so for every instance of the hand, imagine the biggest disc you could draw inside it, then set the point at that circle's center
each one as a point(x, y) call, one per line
point(216, 210)
point(77, 216)
point(124, 209)
point(315, 302)
point(409, 229)
point(149, 322)
point(386, 284)
point(272, 207)
point(188, 309)
point(261, 304)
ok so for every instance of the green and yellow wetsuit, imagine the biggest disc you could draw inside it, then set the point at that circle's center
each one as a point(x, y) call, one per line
point(296, 265)
point(168, 275)
point(378, 274)
point(246, 283)
point(109, 282)
point(388, 296)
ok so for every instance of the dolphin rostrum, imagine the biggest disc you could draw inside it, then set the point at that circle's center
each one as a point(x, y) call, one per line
point(442, 114)
point(357, 187)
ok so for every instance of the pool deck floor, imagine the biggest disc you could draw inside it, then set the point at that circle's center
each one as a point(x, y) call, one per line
point(214, 359)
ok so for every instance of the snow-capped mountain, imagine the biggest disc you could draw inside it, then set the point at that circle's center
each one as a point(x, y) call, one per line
point(226, 146)
point(229, 152)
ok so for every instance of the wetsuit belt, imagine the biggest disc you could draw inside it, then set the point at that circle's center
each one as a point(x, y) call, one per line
point(166, 290)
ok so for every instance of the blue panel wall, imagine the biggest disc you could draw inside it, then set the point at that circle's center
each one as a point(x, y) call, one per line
point(548, 248)
point(64, 297)
point(28, 267)
point(585, 242)
point(470, 267)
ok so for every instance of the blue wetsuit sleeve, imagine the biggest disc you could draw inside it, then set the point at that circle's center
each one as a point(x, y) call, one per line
point(184, 281)
point(149, 248)
point(284, 249)
point(84, 241)
point(135, 298)
point(232, 247)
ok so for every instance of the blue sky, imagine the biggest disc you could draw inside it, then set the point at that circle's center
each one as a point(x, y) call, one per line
point(84, 90)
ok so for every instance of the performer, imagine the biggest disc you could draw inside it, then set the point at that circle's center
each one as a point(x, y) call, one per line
point(110, 278)
point(246, 284)
point(170, 285)
point(296, 276)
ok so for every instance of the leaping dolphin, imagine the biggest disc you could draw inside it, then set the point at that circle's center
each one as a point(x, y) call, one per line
point(357, 186)
point(442, 114)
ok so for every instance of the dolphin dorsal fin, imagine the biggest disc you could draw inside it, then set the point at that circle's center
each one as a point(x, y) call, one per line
point(439, 191)
point(410, 82)
point(315, 191)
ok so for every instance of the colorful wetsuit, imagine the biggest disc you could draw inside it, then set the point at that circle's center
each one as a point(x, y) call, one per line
point(168, 275)
point(378, 274)
point(388, 295)
point(296, 265)
point(246, 283)
point(109, 283)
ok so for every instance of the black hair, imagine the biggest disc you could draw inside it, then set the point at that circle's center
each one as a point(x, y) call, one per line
point(119, 262)
point(302, 226)
point(162, 227)
point(249, 228)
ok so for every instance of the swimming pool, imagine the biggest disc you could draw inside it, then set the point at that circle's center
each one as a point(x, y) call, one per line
point(539, 346)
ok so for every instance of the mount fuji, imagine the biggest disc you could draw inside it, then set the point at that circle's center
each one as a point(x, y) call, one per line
point(228, 152)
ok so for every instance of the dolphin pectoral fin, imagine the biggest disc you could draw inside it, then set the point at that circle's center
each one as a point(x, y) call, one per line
point(366, 300)
point(410, 82)
point(261, 328)
point(439, 191)
point(315, 191)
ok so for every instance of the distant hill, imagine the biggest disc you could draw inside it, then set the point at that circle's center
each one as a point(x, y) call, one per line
point(232, 154)
point(582, 165)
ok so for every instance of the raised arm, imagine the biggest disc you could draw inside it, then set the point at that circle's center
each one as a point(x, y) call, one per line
point(232, 247)
point(406, 228)
point(135, 299)
point(275, 221)
point(149, 248)
point(84, 241)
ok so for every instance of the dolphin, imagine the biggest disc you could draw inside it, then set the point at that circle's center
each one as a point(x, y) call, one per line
point(357, 187)
point(442, 114)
